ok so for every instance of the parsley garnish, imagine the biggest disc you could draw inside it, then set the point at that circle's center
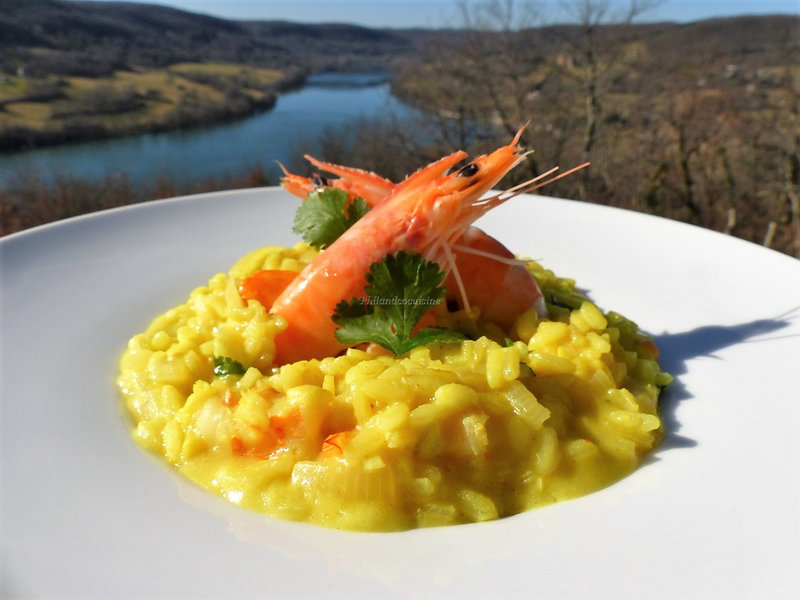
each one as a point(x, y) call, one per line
point(400, 289)
point(224, 365)
point(325, 215)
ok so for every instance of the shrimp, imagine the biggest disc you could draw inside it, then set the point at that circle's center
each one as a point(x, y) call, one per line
point(356, 182)
point(426, 213)
point(494, 280)
point(491, 278)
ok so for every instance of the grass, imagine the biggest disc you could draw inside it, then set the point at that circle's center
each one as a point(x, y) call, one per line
point(138, 99)
point(31, 201)
point(130, 101)
point(29, 114)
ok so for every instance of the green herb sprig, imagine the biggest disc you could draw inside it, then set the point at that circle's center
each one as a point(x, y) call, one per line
point(224, 365)
point(400, 289)
point(325, 215)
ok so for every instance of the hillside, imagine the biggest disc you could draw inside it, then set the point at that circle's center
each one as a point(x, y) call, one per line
point(74, 71)
point(97, 38)
point(92, 39)
point(696, 122)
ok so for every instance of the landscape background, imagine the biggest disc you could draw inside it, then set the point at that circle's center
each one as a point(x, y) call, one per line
point(698, 121)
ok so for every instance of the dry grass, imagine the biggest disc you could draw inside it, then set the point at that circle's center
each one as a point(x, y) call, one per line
point(32, 201)
point(146, 97)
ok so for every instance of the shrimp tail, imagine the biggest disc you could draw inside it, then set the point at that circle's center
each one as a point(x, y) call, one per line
point(370, 186)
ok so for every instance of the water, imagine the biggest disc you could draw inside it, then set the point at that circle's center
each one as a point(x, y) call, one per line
point(227, 148)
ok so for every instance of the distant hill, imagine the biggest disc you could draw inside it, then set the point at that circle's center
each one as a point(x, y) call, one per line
point(691, 121)
point(96, 38)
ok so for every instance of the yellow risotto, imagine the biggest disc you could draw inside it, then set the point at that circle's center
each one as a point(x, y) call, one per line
point(446, 434)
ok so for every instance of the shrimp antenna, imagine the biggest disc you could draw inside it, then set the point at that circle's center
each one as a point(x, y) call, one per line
point(536, 182)
point(490, 255)
point(462, 291)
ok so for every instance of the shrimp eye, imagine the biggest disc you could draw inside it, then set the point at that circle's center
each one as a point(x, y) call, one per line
point(468, 170)
point(319, 181)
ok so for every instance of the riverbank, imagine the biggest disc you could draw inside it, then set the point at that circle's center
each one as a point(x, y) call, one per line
point(218, 148)
point(43, 111)
point(77, 71)
point(35, 201)
point(52, 183)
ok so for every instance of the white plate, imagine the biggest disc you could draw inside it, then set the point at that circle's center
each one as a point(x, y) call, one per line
point(714, 514)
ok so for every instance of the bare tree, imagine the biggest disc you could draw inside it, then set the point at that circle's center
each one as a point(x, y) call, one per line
point(597, 57)
point(497, 50)
point(480, 79)
point(785, 136)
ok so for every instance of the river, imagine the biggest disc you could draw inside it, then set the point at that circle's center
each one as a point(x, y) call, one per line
point(284, 132)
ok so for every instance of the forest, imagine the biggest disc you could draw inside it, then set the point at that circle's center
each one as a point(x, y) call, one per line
point(697, 122)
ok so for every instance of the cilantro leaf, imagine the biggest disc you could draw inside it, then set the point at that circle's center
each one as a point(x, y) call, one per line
point(365, 326)
point(325, 215)
point(400, 289)
point(224, 365)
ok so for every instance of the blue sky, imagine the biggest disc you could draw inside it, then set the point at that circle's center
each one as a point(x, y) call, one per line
point(441, 13)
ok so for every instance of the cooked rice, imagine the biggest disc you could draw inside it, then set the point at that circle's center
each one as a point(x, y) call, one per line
point(447, 434)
